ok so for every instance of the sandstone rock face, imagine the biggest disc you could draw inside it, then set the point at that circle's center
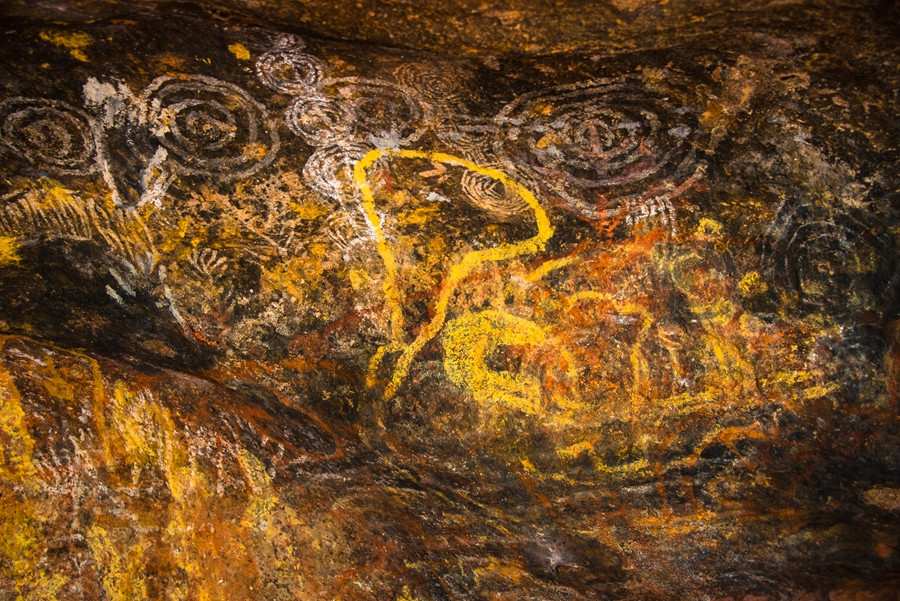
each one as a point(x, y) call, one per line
point(458, 301)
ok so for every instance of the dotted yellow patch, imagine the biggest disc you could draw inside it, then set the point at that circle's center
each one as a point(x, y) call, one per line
point(239, 51)
point(709, 227)
point(752, 284)
point(308, 211)
point(74, 42)
point(9, 250)
point(470, 261)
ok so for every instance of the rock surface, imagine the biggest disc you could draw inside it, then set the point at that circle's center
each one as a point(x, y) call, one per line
point(449, 301)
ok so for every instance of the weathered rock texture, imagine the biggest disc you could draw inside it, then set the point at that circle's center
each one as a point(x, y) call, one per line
point(449, 301)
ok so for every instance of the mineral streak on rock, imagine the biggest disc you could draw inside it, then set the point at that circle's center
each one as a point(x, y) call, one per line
point(449, 301)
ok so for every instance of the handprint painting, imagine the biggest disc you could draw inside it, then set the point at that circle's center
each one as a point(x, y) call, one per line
point(459, 301)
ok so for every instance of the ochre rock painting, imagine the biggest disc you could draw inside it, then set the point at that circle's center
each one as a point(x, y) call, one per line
point(572, 302)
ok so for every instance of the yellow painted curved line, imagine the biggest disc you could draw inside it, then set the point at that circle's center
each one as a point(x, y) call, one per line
point(549, 266)
point(458, 272)
point(471, 338)
point(391, 293)
point(16, 444)
point(378, 357)
point(99, 404)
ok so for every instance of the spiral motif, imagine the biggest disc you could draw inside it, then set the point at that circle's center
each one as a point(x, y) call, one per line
point(831, 262)
point(289, 70)
point(597, 143)
point(822, 262)
point(329, 171)
point(443, 83)
point(207, 127)
point(319, 121)
point(468, 136)
point(50, 134)
point(492, 195)
point(347, 109)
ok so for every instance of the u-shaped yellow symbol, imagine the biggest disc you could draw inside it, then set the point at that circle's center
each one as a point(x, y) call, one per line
point(470, 261)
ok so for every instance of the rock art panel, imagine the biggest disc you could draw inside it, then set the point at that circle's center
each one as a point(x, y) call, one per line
point(596, 303)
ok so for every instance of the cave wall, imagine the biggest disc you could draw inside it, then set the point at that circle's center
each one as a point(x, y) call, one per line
point(571, 300)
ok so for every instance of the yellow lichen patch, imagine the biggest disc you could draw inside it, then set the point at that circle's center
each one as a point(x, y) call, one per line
point(732, 367)
point(22, 513)
point(22, 549)
point(272, 525)
point(528, 465)
point(208, 554)
point(57, 387)
point(575, 450)
point(175, 237)
point(436, 247)
point(709, 227)
point(9, 250)
point(16, 444)
point(98, 398)
point(718, 311)
point(182, 476)
point(817, 392)
point(74, 42)
point(499, 570)
point(263, 501)
point(419, 216)
point(157, 434)
point(133, 429)
point(546, 141)
point(752, 284)
point(359, 278)
point(120, 566)
point(296, 276)
point(407, 595)
point(52, 193)
point(470, 340)
point(146, 434)
point(258, 546)
point(470, 262)
point(239, 51)
point(308, 211)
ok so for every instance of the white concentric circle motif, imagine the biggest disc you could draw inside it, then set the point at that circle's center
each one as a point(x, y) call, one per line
point(597, 143)
point(442, 83)
point(329, 171)
point(207, 126)
point(492, 195)
point(288, 70)
point(318, 120)
point(50, 134)
point(376, 111)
